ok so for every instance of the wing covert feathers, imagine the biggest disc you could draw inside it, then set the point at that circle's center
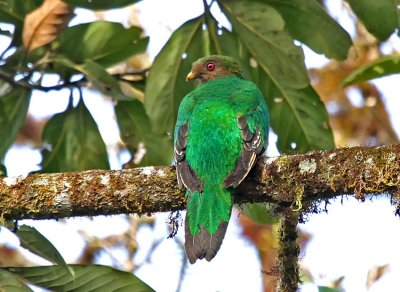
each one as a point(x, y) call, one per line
point(185, 173)
point(252, 146)
point(203, 245)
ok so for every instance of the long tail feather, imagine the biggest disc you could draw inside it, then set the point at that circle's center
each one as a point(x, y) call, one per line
point(203, 244)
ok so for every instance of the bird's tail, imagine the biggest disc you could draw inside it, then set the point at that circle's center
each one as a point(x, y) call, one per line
point(206, 222)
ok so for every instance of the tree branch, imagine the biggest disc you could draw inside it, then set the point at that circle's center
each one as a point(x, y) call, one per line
point(29, 86)
point(288, 253)
point(294, 181)
point(66, 84)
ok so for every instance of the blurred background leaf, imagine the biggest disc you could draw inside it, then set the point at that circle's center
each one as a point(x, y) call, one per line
point(8, 282)
point(379, 68)
point(86, 278)
point(14, 103)
point(166, 86)
point(73, 142)
point(384, 25)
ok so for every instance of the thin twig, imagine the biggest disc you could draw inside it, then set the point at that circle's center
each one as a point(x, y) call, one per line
point(67, 84)
point(24, 84)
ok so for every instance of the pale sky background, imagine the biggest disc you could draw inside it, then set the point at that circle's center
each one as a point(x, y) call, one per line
point(347, 241)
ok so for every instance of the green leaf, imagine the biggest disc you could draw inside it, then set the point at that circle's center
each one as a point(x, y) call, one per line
point(74, 141)
point(35, 242)
point(11, 283)
point(135, 128)
point(298, 117)
point(14, 11)
point(22, 8)
point(259, 213)
point(7, 15)
point(10, 225)
point(379, 17)
point(261, 28)
point(14, 103)
point(301, 118)
point(224, 42)
point(166, 85)
point(3, 170)
point(308, 22)
point(103, 81)
point(379, 68)
point(87, 278)
point(100, 4)
point(106, 43)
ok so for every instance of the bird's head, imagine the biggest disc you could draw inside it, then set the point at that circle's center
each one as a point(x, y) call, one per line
point(214, 67)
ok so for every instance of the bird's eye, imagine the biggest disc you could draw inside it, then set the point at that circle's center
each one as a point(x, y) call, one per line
point(210, 66)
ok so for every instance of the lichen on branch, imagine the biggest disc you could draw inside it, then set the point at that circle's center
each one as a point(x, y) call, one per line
point(288, 180)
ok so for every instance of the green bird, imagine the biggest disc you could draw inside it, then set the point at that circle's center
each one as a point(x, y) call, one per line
point(221, 129)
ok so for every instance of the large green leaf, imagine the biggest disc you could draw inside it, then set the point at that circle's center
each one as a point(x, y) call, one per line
point(135, 127)
point(379, 68)
point(8, 15)
point(74, 142)
point(308, 22)
point(10, 283)
point(14, 11)
point(261, 28)
point(14, 103)
point(87, 278)
point(100, 4)
point(34, 241)
point(297, 114)
point(224, 42)
point(301, 121)
point(22, 8)
point(298, 117)
point(166, 85)
point(102, 80)
point(3, 170)
point(106, 43)
point(380, 17)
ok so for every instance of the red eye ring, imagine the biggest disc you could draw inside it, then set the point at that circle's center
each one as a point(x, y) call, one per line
point(210, 66)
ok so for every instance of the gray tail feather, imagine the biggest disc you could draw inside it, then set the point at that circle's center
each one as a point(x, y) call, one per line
point(203, 244)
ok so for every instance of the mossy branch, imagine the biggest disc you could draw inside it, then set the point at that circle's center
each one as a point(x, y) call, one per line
point(293, 180)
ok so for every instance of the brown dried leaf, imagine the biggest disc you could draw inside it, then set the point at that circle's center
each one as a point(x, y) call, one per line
point(264, 237)
point(375, 273)
point(367, 123)
point(42, 25)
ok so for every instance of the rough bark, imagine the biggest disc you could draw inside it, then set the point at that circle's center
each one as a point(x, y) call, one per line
point(293, 180)
point(288, 253)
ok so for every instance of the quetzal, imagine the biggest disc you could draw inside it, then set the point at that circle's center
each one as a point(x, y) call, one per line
point(221, 129)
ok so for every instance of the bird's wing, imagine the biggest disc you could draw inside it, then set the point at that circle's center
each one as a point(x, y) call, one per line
point(253, 125)
point(185, 174)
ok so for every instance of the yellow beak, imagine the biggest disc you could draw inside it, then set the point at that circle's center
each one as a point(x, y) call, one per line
point(191, 76)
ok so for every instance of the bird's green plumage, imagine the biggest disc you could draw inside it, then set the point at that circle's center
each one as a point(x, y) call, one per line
point(214, 142)
point(222, 127)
